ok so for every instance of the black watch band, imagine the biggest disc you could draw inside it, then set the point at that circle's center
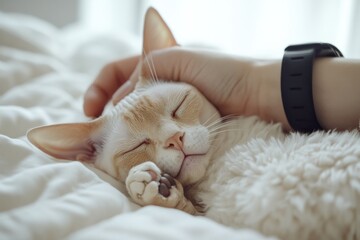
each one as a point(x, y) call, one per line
point(296, 83)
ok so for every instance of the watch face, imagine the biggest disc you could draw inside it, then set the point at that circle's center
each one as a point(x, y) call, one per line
point(321, 49)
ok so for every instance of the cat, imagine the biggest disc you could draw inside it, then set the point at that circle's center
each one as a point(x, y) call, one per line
point(170, 147)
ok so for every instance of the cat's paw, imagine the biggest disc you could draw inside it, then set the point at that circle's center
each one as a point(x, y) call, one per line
point(147, 186)
point(142, 182)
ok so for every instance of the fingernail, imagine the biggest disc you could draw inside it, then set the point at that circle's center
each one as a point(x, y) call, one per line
point(93, 102)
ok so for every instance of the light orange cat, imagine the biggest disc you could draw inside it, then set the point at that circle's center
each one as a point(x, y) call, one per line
point(158, 128)
point(171, 148)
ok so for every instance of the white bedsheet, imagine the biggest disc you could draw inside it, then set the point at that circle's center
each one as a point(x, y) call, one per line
point(43, 75)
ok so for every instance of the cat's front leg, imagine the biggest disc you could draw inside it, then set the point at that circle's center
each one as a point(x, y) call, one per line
point(146, 186)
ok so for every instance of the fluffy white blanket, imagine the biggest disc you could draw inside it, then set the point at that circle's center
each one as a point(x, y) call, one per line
point(43, 75)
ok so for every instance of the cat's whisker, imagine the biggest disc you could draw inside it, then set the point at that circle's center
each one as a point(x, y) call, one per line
point(148, 65)
point(218, 126)
point(221, 120)
point(214, 123)
point(209, 119)
point(153, 66)
point(223, 131)
point(220, 123)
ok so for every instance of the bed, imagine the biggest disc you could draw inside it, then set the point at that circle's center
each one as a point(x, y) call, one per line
point(44, 72)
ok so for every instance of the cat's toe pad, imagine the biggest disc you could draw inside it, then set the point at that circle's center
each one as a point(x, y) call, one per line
point(165, 184)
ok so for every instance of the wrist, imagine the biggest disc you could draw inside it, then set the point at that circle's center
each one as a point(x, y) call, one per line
point(335, 91)
point(270, 106)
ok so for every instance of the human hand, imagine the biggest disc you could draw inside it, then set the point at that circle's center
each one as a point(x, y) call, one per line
point(110, 78)
point(225, 80)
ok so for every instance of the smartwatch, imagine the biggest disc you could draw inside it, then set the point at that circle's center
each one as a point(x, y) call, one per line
point(296, 83)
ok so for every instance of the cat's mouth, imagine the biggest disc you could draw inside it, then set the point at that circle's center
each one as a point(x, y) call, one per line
point(188, 159)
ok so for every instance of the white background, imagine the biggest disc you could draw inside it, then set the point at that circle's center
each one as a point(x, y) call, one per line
point(255, 28)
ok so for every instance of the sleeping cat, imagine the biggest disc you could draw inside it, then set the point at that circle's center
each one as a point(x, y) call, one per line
point(171, 148)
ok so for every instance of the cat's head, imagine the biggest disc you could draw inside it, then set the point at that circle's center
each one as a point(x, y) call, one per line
point(165, 122)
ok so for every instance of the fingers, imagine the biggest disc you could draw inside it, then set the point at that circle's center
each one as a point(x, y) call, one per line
point(171, 63)
point(165, 64)
point(127, 87)
point(107, 82)
point(118, 79)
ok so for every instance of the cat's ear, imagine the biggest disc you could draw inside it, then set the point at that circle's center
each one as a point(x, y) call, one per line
point(157, 35)
point(71, 141)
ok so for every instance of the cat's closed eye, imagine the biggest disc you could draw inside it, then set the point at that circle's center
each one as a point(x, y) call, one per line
point(174, 113)
point(146, 141)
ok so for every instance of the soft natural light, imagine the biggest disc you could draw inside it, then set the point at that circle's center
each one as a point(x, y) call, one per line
point(257, 28)
point(108, 16)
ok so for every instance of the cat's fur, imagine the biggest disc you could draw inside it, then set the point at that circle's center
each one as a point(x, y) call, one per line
point(241, 171)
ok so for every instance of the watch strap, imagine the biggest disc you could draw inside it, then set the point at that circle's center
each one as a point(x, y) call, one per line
point(296, 83)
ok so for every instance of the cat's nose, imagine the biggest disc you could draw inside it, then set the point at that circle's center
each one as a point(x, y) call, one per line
point(175, 141)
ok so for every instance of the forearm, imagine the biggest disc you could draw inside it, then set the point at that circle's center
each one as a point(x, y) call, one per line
point(336, 92)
